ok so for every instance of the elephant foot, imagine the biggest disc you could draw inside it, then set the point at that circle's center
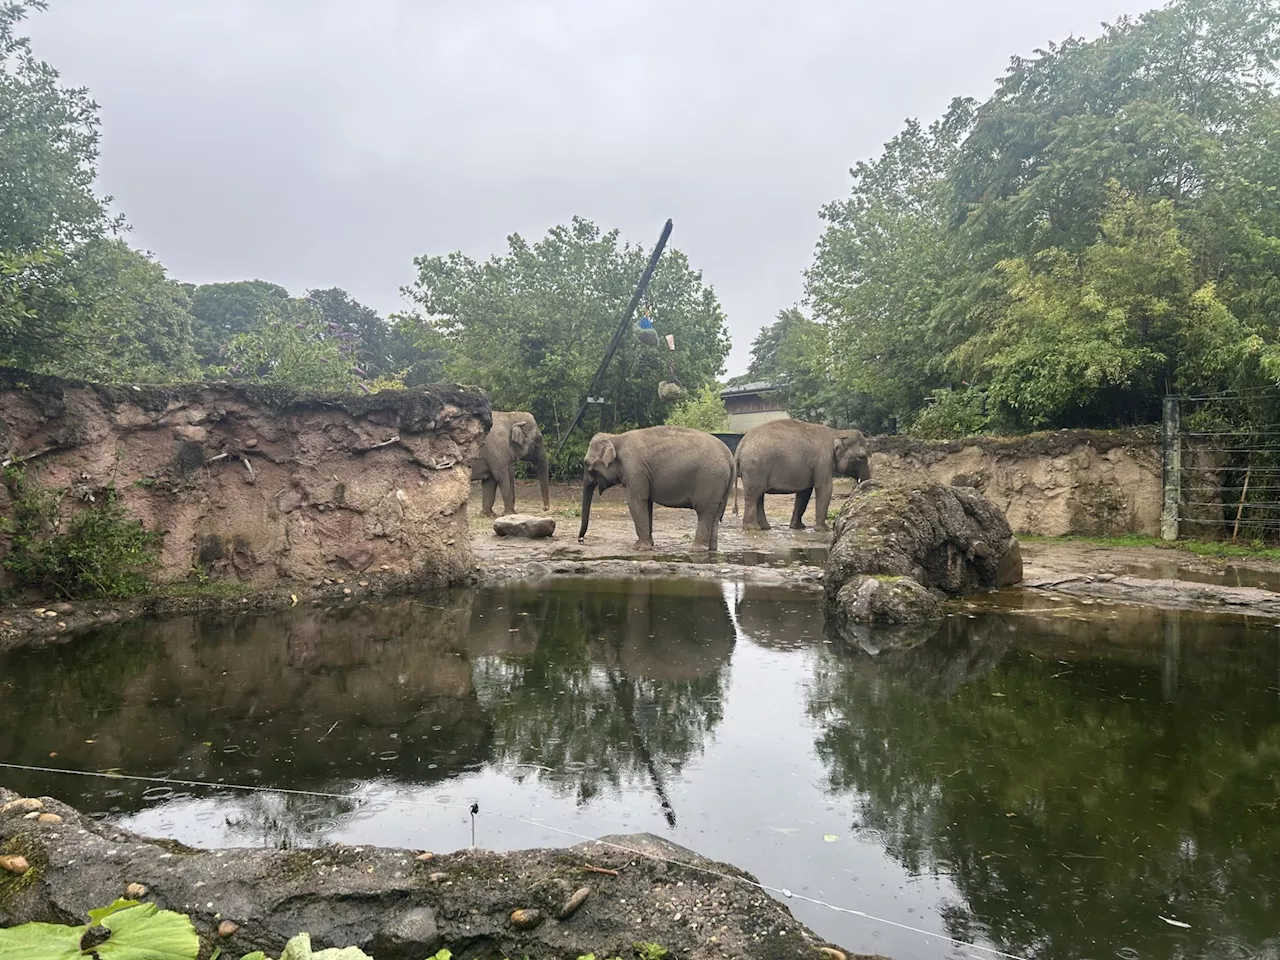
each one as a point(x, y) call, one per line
point(798, 526)
point(821, 527)
point(488, 514)
point(642, 545)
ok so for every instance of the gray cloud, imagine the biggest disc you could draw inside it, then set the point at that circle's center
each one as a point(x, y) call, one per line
point(325, 142)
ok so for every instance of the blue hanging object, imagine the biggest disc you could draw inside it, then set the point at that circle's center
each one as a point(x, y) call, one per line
point(645, 332)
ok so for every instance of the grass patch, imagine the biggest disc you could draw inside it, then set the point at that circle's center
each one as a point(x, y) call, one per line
point(1239, 549)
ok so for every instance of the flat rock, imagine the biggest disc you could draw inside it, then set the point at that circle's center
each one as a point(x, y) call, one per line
point(382, 901)
point(524, 525)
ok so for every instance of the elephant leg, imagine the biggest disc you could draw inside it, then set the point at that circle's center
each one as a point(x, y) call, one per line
point(642, 517)
point(749, 518)
point(508, 482)
point(488, 490)
point(823, 490)
point(802, 504)
point(702, 539)
point(713, 538)
point(761, 520)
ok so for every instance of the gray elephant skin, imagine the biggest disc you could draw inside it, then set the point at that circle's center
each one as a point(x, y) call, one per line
point(671, 466)
point(792, 456)
point(513, 436)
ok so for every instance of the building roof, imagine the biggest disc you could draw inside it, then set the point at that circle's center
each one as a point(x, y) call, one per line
point(760, 386)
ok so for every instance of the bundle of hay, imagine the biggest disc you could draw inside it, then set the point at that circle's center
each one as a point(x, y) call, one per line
point(670, 392)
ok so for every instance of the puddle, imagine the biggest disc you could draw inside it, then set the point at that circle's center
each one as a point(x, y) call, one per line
point(1228, 576)
point(1045, 779)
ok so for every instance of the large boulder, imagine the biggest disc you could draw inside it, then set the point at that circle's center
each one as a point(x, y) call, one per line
point(524, 525)
point(948, 540)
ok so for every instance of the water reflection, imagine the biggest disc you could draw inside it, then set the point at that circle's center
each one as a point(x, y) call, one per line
point(1051, 779)
point(1073, 799)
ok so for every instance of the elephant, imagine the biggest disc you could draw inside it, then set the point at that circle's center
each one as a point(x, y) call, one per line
point(671, 466)
point(791, 456)
point(513, 436)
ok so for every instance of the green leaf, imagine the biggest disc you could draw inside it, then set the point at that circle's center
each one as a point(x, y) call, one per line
point(256, 955)
point(41, 941)
point(97, 916)
point(299, 948)
point(146, 932)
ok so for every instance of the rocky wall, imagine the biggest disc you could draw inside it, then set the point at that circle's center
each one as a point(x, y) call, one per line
point(252, 484)
point(1081, 482)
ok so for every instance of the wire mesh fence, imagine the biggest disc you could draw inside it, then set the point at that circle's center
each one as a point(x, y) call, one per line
point(1227, 464)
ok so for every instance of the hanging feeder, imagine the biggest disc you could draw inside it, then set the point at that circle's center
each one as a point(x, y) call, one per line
point(645, 332)
point(670, 392)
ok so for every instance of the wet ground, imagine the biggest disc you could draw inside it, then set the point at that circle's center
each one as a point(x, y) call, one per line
point(1056, 779)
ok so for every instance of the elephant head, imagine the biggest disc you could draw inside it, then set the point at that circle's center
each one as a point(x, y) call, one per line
point(601, 469)
point(527, 444)
point(850, 455)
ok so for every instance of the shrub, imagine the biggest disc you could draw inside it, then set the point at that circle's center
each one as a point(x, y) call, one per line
point(99, 551)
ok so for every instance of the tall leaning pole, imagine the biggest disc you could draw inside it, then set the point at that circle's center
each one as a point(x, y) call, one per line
point(618, 334)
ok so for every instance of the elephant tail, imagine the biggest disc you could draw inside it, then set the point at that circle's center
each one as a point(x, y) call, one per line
point(733, 482)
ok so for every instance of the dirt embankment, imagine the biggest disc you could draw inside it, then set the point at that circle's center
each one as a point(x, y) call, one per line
point(403, 904)
point(253, 485)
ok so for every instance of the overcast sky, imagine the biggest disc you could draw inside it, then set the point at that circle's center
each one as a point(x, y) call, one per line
point(327, 142)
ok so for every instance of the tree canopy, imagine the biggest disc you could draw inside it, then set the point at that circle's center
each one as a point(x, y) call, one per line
point(531, 326)
point(1103, 230)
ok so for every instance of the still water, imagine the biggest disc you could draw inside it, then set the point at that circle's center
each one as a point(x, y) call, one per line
point(1050, 779)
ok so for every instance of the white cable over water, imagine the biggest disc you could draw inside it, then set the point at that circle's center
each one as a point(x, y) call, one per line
point(787, 894)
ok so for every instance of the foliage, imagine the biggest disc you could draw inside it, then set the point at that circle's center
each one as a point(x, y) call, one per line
point(702, 411)
point(48, 151)
point(1103, 230)
point(223, 311)
point(99, 551)
point(126, 930)
point(294, 346)
point(132, 323)
point(954, 413)
point(532, 326)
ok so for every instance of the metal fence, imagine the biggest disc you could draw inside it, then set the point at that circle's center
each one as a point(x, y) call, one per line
point(1222, 466)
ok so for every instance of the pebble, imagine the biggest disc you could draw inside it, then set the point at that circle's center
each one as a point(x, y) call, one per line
point(135, 891)
point(574, 902)
point(14, 863)
point(48, 818)
point(22, 805)
point(438, 877)
point(426, 855)
point(347, 591)
point(227, 928)
point(64, 608)
point(526, 919)
point(50, 614)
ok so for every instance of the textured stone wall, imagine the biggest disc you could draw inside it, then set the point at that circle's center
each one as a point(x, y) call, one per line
point(1083, 482)
point(255, 485)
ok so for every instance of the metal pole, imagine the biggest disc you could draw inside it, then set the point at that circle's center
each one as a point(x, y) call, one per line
point(1171, 468)
point(618, 334)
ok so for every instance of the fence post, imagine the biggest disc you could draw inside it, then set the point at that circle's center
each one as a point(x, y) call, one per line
point(1171, 468)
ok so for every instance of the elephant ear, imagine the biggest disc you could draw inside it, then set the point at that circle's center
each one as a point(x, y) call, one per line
point(517, 436)
point(837, 445)
point(607, 453)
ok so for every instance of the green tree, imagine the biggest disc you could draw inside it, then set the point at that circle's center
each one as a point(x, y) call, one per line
point(1105, 228)
point(702, 411)
point(375, 350)
point(531, 326)
point(294, 346)
point(48, 152)
point(223, 311)
point(134, 324)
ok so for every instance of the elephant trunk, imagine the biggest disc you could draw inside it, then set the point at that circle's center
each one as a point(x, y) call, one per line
point(544, 476)
point(588, 491)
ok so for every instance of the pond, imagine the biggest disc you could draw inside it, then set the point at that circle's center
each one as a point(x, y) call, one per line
point(1049, 779)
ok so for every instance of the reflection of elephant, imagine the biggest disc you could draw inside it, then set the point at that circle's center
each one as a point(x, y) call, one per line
point(513, 436)
point(672, 466)
point(773, 616)
point(791, 456)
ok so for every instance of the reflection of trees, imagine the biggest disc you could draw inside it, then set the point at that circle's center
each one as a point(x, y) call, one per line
point(1071, 801)
point(597, 686)
point(319, 699)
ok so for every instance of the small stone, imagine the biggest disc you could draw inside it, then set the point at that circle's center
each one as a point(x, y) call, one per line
point(38, 611)
point(438, 877)
point(22, 805)
point(135, 891)
point(573, 903)
point(227, 928)
point(526, 919)
point(50, 614)
point(347, 591)
point(64, 608)
point(48, 818)
point(34, 814)
point(61, 625)
point(364, 583)
point(426, 855)
point(14, 863)
point(385, 566)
